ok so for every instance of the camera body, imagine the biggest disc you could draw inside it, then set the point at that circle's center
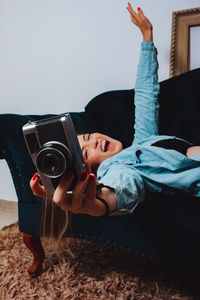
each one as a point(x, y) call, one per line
point(54, 149)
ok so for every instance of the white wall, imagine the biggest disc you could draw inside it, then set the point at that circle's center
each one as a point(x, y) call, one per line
point(55, 55)
point(194, 47)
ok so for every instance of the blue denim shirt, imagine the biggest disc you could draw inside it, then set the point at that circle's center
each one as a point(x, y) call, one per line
point(143, 166)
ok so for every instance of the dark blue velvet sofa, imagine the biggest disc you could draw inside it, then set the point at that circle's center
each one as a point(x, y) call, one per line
point(163, 227)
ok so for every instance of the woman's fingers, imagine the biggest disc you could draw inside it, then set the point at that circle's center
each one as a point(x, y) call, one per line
point(88, 167)
point(84, 195)
point(91, 190)
point(130, 9)
point(79, 194)
point(133, 14)
point(37, 188)
point(59, 196)
point(141, 21)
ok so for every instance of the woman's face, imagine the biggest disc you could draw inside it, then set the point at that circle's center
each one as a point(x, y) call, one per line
point(97, 147)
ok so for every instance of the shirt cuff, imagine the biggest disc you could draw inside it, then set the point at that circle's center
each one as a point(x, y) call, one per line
point(147, 45)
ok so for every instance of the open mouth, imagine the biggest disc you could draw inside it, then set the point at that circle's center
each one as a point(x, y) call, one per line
point(105, 145)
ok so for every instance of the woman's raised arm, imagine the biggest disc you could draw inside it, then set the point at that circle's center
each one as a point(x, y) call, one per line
point(147, 86)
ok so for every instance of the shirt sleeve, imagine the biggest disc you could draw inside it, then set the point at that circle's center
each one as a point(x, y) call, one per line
point(128, 186)
point(146, 93)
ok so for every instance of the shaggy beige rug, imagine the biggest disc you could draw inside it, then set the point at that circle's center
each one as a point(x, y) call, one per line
point(94, 271)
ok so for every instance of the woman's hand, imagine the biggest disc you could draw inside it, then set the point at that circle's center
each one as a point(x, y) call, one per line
point(83, 198)
point(37, 189)
point(141, 22)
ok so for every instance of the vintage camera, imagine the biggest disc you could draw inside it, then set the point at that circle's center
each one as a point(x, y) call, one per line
point(54, 149)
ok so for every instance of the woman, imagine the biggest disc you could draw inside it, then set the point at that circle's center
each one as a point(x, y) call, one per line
point(156, 163)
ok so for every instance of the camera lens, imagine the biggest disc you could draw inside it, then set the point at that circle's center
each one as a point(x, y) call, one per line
point(53, 159)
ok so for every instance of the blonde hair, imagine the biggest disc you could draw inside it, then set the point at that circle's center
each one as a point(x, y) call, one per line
point(54, 223)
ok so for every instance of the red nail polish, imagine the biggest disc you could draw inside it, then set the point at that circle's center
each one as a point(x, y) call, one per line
point(35, 176)
point(83, 175)
point(92, 177)
point(138, 8)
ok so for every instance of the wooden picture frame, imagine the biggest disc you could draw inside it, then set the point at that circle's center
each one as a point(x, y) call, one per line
point(182, 21)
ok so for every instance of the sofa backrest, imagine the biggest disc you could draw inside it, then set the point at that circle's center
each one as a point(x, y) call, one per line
point(113, 112)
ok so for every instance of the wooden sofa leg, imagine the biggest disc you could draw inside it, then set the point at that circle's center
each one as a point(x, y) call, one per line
point(33, 243)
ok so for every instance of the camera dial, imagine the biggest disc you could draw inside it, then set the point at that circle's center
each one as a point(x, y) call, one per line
point(53, 159)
